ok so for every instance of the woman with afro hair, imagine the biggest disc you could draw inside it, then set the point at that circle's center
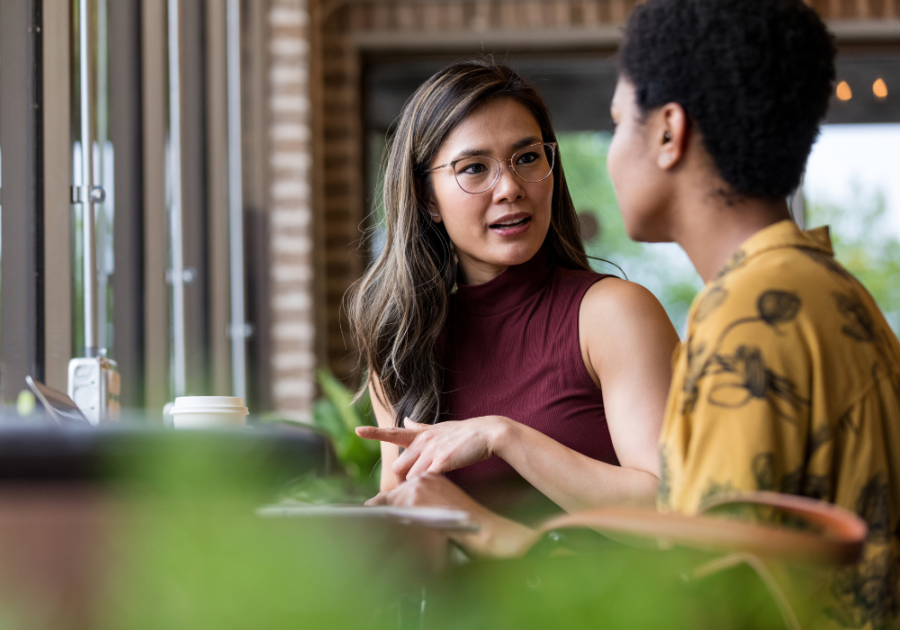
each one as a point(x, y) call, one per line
point(788, 377)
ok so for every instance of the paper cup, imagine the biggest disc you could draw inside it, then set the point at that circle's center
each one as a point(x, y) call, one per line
point(205, 412)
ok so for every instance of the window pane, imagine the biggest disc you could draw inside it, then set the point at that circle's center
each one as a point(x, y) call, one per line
point(102, 163)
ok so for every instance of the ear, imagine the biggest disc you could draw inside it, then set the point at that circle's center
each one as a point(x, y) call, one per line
point(434, 212)
point(672, 135)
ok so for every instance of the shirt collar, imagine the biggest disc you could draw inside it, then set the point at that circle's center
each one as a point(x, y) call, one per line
point(778, 236)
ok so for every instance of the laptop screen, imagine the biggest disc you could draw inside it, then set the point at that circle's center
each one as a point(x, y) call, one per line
point(58, 405)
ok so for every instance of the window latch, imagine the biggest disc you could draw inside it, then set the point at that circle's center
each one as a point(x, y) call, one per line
point(98, 194)
point(187, 276)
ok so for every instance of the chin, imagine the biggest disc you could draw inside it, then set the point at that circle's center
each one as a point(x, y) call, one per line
point(645, 229)
point(517, 254)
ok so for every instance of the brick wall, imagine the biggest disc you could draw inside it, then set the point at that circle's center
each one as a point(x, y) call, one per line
point(290, 212)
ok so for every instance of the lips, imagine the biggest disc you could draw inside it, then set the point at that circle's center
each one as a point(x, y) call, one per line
point(512, 224)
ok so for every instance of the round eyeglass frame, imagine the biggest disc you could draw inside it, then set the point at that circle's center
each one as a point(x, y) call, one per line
point(554, 148)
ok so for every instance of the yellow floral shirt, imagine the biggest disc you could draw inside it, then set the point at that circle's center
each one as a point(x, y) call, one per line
point(789, 380)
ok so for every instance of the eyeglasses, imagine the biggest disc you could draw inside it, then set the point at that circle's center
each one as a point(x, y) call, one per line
point(478, 174)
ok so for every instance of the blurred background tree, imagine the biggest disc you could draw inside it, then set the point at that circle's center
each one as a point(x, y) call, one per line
point(865, 245)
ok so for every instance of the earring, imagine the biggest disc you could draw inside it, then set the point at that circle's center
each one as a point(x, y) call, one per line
point(667, 137)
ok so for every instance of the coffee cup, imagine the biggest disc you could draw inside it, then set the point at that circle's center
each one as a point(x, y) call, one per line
point(204, 412)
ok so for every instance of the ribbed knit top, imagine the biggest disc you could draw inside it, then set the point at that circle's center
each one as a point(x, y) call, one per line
point(511, 348)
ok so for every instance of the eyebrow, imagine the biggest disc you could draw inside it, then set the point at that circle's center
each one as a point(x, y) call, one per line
point(467, 153)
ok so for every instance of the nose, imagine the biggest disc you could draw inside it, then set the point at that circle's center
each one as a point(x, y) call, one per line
point(508, 187)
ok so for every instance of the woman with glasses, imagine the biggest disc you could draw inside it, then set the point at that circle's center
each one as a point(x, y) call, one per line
point(517, 380)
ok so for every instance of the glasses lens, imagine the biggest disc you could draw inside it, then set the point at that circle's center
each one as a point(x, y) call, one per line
point(476, 174)
point(534, 163)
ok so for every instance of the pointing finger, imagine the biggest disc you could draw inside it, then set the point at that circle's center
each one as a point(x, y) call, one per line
point(415, 426)
point(378, 499)
point(400, 437)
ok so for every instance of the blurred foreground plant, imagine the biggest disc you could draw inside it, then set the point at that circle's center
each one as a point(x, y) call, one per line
point(192, 553)
point(337, 415)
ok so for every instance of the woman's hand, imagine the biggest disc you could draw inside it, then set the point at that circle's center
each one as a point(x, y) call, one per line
point(442, 447)
point(497, 537)
point(430, 490)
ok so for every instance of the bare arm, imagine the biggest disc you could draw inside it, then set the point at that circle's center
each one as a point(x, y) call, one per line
point(385, 419)
point(627, 343)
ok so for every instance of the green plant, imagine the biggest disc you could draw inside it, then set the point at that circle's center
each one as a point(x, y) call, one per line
point(338, 416)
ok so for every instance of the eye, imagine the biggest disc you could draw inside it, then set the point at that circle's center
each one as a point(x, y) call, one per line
point(528, 158)
point(473, 168)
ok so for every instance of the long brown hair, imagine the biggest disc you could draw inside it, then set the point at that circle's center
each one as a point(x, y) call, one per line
point(398, 308)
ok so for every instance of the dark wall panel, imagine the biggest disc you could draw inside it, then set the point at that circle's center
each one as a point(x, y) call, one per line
point(21, 317)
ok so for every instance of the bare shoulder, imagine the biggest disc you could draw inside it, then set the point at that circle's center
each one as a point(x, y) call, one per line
point(613, 300)
point(620, 320)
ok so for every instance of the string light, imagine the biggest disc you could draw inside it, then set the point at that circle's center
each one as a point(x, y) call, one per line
point(879, 89)
point(844, 93)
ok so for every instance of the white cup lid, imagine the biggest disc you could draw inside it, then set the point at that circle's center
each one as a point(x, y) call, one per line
point(209, 404)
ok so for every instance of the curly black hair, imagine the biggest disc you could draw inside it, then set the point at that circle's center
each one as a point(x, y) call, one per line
point(754, 76)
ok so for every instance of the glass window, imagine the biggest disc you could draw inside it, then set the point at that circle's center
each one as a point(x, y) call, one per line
point(102, 163)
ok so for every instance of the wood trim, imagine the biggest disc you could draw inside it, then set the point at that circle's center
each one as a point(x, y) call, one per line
point(563, 39)
point(57, 47)
point(21, 309)
point(319, 65)
point(217, 196)
point(156, 294)
point(865, 31)
point(257, 149)
point(125, 120)
point(195, 203)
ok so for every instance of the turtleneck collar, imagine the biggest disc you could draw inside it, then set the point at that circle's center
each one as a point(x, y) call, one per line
point(508, 291)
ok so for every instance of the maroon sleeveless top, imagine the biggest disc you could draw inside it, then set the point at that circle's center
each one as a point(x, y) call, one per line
point(511, 348)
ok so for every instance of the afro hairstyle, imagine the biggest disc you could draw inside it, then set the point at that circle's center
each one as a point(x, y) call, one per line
point(755, 76)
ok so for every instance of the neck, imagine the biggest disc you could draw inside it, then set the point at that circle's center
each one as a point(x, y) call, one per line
point(711, 229)
point(475, 272)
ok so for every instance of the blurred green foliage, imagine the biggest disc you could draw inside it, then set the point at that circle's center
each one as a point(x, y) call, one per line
point(866, 245)
point(181, 545)
point(191, 553)
point(338, 416)
point(612, 587)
